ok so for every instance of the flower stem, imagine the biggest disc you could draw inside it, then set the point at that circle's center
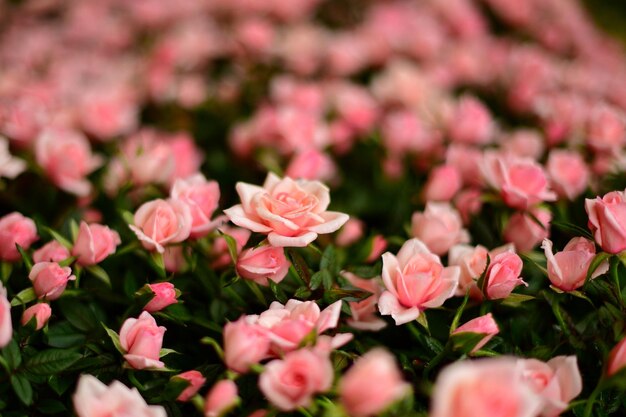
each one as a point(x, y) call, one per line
point(592, 399)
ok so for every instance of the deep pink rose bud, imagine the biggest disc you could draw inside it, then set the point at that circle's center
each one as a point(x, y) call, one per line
point(372, 384)
point(245, 344)
point(484, 325)
point(503, 275)
point(94, 243)
point(164, 295)
point(51, 252)
point(6, 325)
point(607, 220)
point(221, 398)
point(196, 381)
point(617, 358)
point(524, 232)
point(50, 279)
point(15, 229)
point(142, 339)
point(161, 222)
point(263, 264)
point(40, 311)
point(567, 270)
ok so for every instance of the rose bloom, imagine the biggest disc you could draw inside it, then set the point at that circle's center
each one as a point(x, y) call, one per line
point(245, 344)
point(94, 399)
point(196, 381)
point(503, 275)
point(415, 280)
point(372, 384)
point(6, 325)
point(202, 197)
point(263, 264)
point(40, 311)
point(471, 122)
point(15, 229)
point(567, 270)
point(221, 398)
point(292, 213)
point(484, 325)
point(524, 232)
point(51, 252)
point(439, 227)
point(94, 243)
point(472, 261)
point(291, 382)
point(161, 222)
point(142, 339)
point(164, 295)
point(607, 220)
point(568, 173)
point(50, 279)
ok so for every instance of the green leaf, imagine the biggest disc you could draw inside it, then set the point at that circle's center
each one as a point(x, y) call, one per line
point(68, 261)
point(595, 263)
point(25, 257)
point(299, 264)
point(51, 361)
point(465, 342)
point(316, 280)
point(158, 263)
point(64, 335)
point(572, 229)
point(482, 280)
point(115, 338)
point(302, 293)
point(22, 388)
point(60, 384)
point(174, 387)
point(12, 354)
point(57, 236)
point(328, 259)
point(78, 314)
point(127, 216)
point(165, 352)
point(5, 271)
point(459, 312)
point(514, 299)
point(24, 297)
point(232, 245)
point(100, 273)
point(50, 406)
point(278, 292)
point(74, 229)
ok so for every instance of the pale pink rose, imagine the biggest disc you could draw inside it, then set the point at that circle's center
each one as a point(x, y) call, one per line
point(221, 398)
point(487, 387)
point(607, 220)
point(146, 158)
point(557, 382)
point(41, 312)
point(350, 233)
point(503, 275)
point(524, 143)
point(606, 128)
point(161, 222)
point(443, 183)
point(15, 229)
point(617, 358)
point(356, 106)
point(364, 315)
point(439, 227)
point(164, 295)
point(94, 243)
point(372, 384)
point(142, 339)
point(174, 259)
point(471, 122)
point(379, 244)
point(65, 156)
point(567, 270)
point(292, 213)
point(6, 325)
point(467, 160)
point(415, 280)
point(568, 173)
point(468, 202)
point(256, 35)
point(50, 279)
point(292, 382)
point(472, 261)
point(402, 131)
point(105, 112)
point(10, 166)
point(202, 198)
point(311, 164)
point(524, 232)
point(220, 252)
point(94, 399)
point(195, 380)
point(187, 156)
point(263, 264)
point(483, 325)
point(245, 344)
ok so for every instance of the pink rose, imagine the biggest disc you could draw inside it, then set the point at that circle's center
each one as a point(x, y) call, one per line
point(617, 358)
point(65, 156)
point(291, 382)
point(6, 325)
point(220, 252)
point(606, 129)
point(483, 325)
point(607, 220)
point(415, 280)
point(221, 398)
point(146, 158)
point(379, 244)
point(202, 198)
point(567, 270)
point(50, 279)
point(503, 275)
point(557, 382)
point(292, 213)
point(40, 311)
point(486, 388)
point(524, 143)
point(312, 164)
point(142, 339)
point(471, 122)
point(262, 264)
point(94, 399)
point(350, 233)
point(443, 183)
point(372, 384)
point(195, 380)
point(364, 312)
point(164, 295)
point(568, 172)
point(245, 344)
point(524, 232)
point(439, 227)
point(94, 243)
point(403, 131)
point(468, 203)
point(107, 112)
point(15, 229)
point(52, 251)
point(161, 222)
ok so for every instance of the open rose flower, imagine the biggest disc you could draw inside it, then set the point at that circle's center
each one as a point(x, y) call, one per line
point(94, 243)
point(291, 213)
point(439, 227)
point(202, 197)
point(607, 220)
point(142, 339)
point(567, 270)
point(415, 280)
point(161, 222)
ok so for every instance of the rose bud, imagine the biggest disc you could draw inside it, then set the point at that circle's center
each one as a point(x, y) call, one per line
point(161, 222)
point(483, 325)
point(94, 243)
point(245, 344)
point(379, 244)
point(617, 358)
point(164, 295)
point(471, 122)
point(6, 325)
point(440, 227)
point(196, 381)
point(350, 233)
point(567, 270)
point(221, 398)
point(524, 232)
point(568, 173)
point(607, 220)
point(503, 275)
point(263, 264)
point(15, 229)
point(142, 339)
point(443, 183)
point(372, 384)
point(40, 311)
point(51, 252)
point(50, 279)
